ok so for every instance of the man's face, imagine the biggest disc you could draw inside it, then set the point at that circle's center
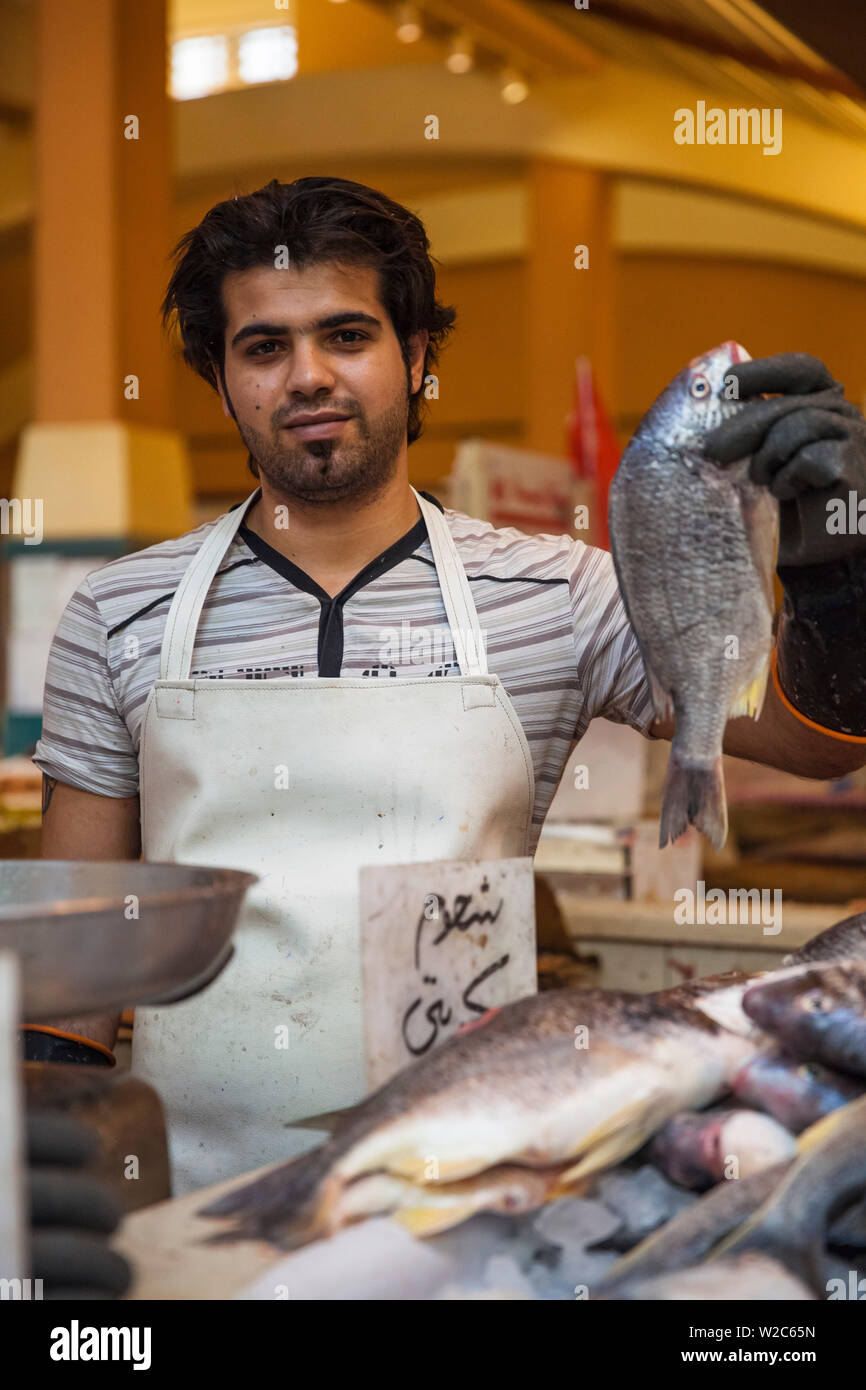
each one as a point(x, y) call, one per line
point(317, 342)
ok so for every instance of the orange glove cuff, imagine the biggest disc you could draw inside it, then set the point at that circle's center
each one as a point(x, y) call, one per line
point(810, 723)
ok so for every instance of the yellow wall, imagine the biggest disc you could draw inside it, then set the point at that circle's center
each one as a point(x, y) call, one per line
point(675, 307)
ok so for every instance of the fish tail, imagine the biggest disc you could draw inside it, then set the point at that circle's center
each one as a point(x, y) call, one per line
point(693, 795)
point(290, 1205)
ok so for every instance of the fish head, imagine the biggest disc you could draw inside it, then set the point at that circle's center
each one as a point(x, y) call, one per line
point(817, 1011)
point(796, 1092)
point(698, 399)
point(688, 1148)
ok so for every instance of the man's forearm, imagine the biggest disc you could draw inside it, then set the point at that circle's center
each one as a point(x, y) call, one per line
point(79, 825)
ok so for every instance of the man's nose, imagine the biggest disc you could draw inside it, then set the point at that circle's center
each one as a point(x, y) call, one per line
point(308, 369)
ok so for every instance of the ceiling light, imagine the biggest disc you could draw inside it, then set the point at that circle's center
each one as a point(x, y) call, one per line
point(268, 55)
point(409, 28)
point(199, 65)
point(461, 58)
point(514, 87)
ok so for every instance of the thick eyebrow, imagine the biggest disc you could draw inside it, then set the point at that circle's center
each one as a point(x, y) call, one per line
point(280, 330)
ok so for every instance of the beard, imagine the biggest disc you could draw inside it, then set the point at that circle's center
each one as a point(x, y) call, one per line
point(325, 471)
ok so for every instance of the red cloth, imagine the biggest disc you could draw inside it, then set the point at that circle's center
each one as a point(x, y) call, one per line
point(592, 444)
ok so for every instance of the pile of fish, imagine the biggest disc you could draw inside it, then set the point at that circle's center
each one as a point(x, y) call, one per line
point(524, 1109)
point(694, 546)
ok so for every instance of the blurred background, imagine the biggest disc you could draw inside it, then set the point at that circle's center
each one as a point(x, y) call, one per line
point(520, 131)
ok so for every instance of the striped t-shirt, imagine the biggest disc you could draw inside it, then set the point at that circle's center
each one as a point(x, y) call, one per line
point(549, 608)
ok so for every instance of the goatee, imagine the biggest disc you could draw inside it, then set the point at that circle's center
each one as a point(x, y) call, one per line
point(324, 471)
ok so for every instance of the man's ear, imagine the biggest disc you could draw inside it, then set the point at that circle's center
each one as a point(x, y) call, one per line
point(417, 345)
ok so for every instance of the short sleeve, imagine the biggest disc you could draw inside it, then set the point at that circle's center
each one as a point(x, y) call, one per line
point(610, 668)
point(85, 740)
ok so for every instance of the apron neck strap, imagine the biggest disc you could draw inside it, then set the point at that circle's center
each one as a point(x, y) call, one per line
point(466, 633)
point(178, 639)
point(183, 617)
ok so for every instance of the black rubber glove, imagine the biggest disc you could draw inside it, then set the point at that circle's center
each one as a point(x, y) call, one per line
point(808, 446)
point(37, 1046)
point(71, 1213)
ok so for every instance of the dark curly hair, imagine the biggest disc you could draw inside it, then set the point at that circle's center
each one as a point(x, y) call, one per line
point(318, 219)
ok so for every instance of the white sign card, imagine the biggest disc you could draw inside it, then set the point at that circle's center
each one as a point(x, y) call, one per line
point(441, 943)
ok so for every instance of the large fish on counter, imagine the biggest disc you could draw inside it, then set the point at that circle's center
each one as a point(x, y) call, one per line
point(694, 546)
point(519, 1088)
point(561, 1084)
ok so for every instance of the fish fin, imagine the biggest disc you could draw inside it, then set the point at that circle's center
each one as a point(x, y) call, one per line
point(613, 1140)
point(608, 1152)
point(327, 1120)
point(429, 1221)
point(750, 700)
point(693, 796)
point(290, 1205)
point(569, 1187)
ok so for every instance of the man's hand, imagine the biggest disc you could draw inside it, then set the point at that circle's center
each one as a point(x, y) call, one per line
point(807, 445)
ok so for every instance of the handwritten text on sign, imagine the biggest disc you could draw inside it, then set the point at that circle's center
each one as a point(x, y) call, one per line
point(441, 943)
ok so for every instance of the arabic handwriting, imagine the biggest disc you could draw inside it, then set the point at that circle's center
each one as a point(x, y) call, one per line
point(436, 1014)
point(454, 920)
point(469, 1003)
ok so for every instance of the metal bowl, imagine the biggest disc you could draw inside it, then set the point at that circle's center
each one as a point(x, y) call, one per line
point(103, 934)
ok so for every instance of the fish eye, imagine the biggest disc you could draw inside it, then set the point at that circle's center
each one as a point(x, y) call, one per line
point(700, 387)
point(815, 1003)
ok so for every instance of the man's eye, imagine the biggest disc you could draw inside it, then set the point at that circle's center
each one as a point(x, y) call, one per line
point(269, 342)
point(353, 332)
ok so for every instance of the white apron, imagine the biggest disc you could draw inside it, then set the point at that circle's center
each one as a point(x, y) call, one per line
point(379, 771)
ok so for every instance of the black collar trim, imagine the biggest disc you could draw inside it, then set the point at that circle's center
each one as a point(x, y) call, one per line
point(394, 555)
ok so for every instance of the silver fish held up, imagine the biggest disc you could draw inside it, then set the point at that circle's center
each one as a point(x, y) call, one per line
point(694, 546)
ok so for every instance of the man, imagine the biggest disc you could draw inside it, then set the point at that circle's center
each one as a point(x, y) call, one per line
point(302, 687)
